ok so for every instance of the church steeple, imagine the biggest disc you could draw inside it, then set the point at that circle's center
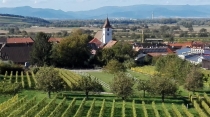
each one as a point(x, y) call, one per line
point(107, 31)
point(107, 24)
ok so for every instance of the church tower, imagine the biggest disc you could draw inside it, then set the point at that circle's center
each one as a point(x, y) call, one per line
point(107, 31)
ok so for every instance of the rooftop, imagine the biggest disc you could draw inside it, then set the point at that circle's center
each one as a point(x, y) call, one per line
point(19, 40)
point(107, 24)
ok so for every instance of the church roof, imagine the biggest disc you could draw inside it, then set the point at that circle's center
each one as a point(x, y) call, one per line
point(110, 44)
point(107, 24)
point(96, 41)
point(99, 35)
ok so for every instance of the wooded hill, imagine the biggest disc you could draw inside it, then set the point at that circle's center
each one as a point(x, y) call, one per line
point(10, 19)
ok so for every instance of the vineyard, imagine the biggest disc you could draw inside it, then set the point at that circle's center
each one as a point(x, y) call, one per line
point(98, 107)
point(27, 80)
point(75, 105)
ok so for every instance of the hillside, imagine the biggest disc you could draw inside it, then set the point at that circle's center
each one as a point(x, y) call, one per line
point(135, 11)
point(21, 20)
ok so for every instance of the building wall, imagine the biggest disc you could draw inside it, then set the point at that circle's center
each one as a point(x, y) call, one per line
point(107, 35)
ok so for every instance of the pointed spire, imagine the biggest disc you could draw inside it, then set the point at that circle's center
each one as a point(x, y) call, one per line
point(107, 23)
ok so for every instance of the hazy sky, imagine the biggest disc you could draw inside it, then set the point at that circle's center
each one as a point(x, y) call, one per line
point(78, 5)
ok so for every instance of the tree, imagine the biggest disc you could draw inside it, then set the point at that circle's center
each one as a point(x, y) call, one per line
point(114, 66)
point(87, 84)
point(143, 85)
point(203, 33)
point(179, 70)
point(163, 86)
point(194, 79)
point(129, 63)
point(190, 29)
point(41, 50)
point(121, 51)
point(72, 51)
point(49, 80)
point(122, 85)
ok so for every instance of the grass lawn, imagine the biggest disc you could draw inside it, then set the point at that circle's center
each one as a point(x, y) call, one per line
point(139, 75)
point(107, 78)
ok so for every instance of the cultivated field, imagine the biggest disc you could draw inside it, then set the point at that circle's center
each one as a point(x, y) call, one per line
point(33, 103)
point(54, 29)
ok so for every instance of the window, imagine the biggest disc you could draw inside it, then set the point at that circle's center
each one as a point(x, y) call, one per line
point(107, 29)
point(108, 34)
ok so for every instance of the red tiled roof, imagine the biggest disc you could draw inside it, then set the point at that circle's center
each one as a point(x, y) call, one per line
point(52, 39)
point(181, 44)
point(156, 54)
point(170, 50)
point(110, 44)
point(99, 35)
point(96, 41)
point(19, 40)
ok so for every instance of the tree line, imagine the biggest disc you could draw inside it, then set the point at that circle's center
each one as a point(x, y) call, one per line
point(74, 52)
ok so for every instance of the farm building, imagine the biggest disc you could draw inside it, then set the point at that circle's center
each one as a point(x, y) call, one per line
point(16, 49)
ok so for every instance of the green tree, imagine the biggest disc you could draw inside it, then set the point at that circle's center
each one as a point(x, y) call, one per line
point(143, 85)
point(114, 67)
point(122, 85)
point(49, 80)
point(203, 33)
point(41, 50)
point(87, 84)
point(129, 63)
point(72, 51)
point(163, 86)
point(173, 67)
point(194, 79)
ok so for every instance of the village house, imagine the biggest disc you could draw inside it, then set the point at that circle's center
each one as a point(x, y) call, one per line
point(152, 49)
point(55, 40)
point(195, 53)
point(16, 49)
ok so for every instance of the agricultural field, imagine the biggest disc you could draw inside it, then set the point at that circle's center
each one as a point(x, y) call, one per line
point(55, 29)
point(30, 102)
point(103, 105)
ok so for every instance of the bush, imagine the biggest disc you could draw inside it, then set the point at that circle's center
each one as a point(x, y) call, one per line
point(10, 67)
point(114, 66)
point(34, 69)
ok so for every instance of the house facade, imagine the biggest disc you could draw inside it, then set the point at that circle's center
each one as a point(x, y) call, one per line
point(16, 49)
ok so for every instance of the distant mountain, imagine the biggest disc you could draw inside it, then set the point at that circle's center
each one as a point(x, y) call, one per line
point(135, 11)
point(20, 20)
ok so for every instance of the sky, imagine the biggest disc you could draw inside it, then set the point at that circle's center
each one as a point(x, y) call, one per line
point(81, 5)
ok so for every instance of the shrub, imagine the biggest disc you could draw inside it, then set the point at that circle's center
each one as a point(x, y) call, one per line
point(10, 67)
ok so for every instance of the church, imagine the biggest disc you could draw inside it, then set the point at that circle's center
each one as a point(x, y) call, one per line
point(103, 38)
